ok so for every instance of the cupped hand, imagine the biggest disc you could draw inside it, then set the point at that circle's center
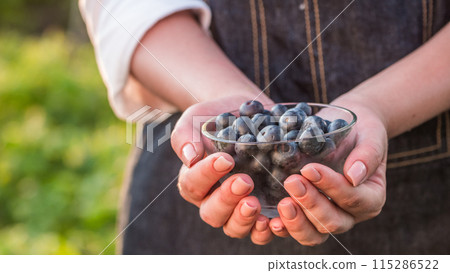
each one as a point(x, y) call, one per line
point(309, 216)
point(226, 205)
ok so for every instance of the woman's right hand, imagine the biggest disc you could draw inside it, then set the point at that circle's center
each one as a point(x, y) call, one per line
point(226, 205)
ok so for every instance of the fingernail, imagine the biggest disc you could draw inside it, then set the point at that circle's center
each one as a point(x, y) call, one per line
point(247, 210)
point(188, 153)
point(239, 186)
point(296, 187)
point(261, 224)
point(277, 228)
point(311, 174)
point(357, 172)
point(288, 210)
point(222, 164)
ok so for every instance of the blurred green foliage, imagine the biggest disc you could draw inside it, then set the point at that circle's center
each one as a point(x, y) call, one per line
point(62, 150)
point(34, 16)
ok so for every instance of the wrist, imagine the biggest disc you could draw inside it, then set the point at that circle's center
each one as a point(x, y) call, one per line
point(363, 106)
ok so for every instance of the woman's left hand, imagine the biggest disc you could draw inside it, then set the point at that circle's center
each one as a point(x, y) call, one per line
point(387, 104)
point(308, 215)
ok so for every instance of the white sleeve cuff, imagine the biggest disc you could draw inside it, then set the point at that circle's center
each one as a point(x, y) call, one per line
point(116, 26)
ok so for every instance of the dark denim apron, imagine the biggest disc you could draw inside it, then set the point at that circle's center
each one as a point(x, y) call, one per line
point(261, 37)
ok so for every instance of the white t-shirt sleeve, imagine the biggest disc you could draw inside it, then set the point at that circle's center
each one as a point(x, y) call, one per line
point(116, 26)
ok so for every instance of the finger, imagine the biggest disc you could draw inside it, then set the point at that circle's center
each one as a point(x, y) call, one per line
point(185, 138)
point(277, 227)
point(368, 154)
point(298, 225)
point(243, 218)
point(218, 207)
point(323, 214)
point(196, 182)
point(363, 202)
point(261, 233)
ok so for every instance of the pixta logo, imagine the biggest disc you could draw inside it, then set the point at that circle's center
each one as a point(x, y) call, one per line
point(151, 118)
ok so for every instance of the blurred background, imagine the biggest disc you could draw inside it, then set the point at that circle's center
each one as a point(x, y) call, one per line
point(62, 150)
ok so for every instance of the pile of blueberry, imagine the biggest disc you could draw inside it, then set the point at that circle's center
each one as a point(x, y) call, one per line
point(271, 145)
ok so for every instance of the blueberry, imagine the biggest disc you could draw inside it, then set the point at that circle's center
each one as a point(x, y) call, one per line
point(274, 189)
point(267, 112)
point(262, 120)
point(240, 164)
point(224, 120)
point(336, 124)
point(327, 148)
point(250, 108)
point(243, 125)
point(298, 110)
point(305, 108)
point(311, 140)
point(292, 119)
point(314, 121)
point(278, 110)
point(246, 150)
point(226, 134)
point(276, 179)
point(327, 123)
point(286, 156)
point(247, 138)
point(269, 133)
point(292, 135)
point(261, 163)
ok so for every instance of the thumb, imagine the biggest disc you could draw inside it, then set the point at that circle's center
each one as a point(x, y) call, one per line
point(368, 154)
point(186, 136)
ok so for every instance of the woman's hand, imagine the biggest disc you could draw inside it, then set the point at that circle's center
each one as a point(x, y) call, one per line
point(308, 215)
point(399, 98)
point(227, 205)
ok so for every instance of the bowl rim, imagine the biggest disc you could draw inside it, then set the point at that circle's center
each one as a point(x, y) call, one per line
point(210, 136)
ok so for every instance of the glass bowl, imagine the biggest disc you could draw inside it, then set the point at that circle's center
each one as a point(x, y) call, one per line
point(270, 163)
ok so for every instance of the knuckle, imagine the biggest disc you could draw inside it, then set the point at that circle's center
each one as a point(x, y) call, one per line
point(181, 188)
point(308, 203)
point(374, 213)
point(227, 232)
point(233, 234)
point(314, 241)
point(209, 220)
point(331, 227)
point(353, 202)
point(376, 208)
point(259, 241)
point(256, 242)
point(182, 194)
point(382, 200)
point(182, 174)
point(191, 190)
